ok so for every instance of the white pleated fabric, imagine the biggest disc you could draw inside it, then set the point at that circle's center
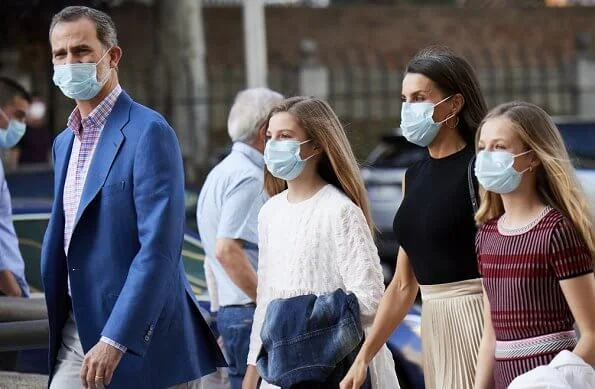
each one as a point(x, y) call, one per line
point(451, 329)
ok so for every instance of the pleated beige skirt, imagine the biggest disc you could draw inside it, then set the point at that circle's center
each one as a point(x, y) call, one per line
point(451, 328)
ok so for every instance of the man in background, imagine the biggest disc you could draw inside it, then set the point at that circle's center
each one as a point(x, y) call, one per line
point(36, 145)
point(14, 104)
point(227, 215)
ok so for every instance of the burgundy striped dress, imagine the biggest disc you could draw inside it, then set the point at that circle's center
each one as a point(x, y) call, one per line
point(521, 275)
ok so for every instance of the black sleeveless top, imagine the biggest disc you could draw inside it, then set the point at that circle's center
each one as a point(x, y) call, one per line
point(434, 224)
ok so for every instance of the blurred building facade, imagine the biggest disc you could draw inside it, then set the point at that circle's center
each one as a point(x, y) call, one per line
point(352, 55)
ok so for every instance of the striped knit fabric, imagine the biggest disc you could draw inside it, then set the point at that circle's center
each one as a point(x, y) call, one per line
point(521, 275)
point(539, 345)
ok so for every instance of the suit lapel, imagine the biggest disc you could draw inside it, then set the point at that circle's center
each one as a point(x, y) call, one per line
point(56, 226)
point(110, 141)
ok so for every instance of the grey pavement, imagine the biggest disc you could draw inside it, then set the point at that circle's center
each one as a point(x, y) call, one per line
point(11, 380)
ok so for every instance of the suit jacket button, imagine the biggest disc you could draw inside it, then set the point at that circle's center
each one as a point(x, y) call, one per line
point(147, 338)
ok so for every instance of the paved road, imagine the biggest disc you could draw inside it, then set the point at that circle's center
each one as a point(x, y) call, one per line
point(9, 380)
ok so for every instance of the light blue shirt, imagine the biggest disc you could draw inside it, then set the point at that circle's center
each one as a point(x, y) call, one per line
point(10, 255)
point(228, 207)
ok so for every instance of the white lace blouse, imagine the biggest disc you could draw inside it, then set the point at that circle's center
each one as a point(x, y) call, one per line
point(315, 247)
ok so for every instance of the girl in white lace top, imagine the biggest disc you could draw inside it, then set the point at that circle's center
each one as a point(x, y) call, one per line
point(315, 233)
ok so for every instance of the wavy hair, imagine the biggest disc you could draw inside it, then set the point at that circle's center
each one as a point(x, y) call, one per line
point(453, 75)
point(557, 184)
point(337, 164)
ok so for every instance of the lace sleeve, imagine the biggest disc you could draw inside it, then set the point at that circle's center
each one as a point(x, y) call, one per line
point(358, 261)
point(262, 298)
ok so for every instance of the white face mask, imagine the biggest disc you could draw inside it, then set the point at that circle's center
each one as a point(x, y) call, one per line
point(282, 158)
point(496, 173)
point(417, 124)
point(12, 134)
point(78, 81)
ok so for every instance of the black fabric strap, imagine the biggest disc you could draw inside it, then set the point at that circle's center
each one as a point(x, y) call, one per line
point(472, 191)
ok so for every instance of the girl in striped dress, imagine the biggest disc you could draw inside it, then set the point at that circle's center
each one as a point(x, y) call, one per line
point(535, 247)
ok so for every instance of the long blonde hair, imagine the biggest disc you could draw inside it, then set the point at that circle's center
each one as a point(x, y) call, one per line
point(337, 164)
point(557, 184)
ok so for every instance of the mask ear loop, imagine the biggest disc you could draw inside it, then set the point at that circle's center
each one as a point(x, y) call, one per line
point(451, 116)
point(103, 56)
point(448, 118)
point(313, 155)
point(523, 153)
point(442, 101)
point(530, 168)
point(110, 68)
point(4, 115)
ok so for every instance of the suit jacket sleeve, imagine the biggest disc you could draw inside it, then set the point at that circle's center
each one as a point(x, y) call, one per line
point(158, 190)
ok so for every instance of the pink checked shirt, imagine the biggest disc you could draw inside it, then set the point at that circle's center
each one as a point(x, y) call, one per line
point(86, 136)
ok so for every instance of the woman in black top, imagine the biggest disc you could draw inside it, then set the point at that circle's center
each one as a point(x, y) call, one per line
point(442, 108)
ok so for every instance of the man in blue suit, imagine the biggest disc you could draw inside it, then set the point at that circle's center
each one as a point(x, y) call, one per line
point(121, 311)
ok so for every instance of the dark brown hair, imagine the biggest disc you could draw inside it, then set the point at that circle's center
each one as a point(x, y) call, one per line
point(106, 28)
point(452, 74)
point(9, 89)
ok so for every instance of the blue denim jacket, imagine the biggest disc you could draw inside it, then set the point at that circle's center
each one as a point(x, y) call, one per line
point(310, 339)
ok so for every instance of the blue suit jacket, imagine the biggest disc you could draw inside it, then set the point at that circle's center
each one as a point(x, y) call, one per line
point(127, 278)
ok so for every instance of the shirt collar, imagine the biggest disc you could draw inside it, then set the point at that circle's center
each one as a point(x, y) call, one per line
point(97, 117)
point(253, 155)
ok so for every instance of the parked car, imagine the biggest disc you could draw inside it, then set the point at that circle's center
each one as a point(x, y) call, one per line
point(383, 174)
point(385, 167)
point(579, 136)
point(31, 216)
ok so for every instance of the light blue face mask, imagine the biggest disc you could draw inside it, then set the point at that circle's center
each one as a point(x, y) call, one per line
point(12, 134)
point(417, 123)
point(78, 81)
point(283, 160)
point(496, 173)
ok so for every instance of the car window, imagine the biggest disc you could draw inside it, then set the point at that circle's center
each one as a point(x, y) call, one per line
point(580, 142)
point(395, 152)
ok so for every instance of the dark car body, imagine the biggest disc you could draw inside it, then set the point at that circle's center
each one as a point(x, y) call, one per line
point(383, 175)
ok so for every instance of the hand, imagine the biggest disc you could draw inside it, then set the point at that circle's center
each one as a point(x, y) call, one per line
point(99, 365)
point(220, 342)
point(250, 378)
point(355, 376)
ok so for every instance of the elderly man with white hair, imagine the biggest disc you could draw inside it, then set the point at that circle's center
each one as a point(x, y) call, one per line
point(227, 215)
